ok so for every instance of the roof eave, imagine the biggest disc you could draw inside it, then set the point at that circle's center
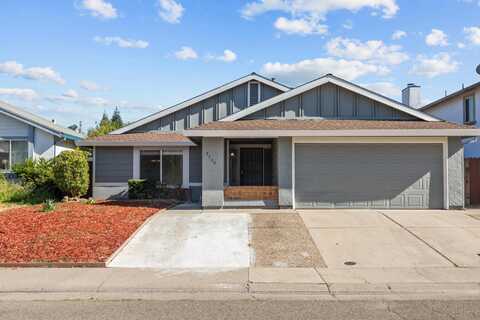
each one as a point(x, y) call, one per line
point(87, 143)
point(335, 133)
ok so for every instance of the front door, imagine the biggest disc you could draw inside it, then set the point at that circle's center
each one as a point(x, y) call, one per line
point(251, 167)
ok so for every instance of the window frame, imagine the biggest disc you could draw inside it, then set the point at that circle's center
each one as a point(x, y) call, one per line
point(162, 153)
point(473, 116)
point(10, 152)
point(259, 92)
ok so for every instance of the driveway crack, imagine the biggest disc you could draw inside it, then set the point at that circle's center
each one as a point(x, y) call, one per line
point(420, 239)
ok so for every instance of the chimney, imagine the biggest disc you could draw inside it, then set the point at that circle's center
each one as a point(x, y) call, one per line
point(411, 96)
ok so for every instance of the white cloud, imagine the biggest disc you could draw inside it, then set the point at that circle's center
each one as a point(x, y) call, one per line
point(227, 56)
point(100, 9)
point(387, 89)
point(309, 69)
point(121, 42)
point(24, 94)
point(16, 69)
point(316, 8)
point(436, 38)
point(89, 85)
point(170, 10)
point(461, 45)
point(372, 51)
point(439, 64)
point(300, 26)
point(473, 35)
point(399, 34)
point(186, 53)
point(70, 94)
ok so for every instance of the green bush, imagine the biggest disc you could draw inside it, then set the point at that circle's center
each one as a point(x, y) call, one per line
point(141, 189)
point(35, 173)
point(48, 205)
point(9, 191)
point(38, 181)
point(70, 171)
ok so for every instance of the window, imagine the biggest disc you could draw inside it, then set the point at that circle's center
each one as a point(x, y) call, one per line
point(150, 165)
point(12, 152)
point(469, 109)
point(162, 166)
point(172, 169)
point(253, 93)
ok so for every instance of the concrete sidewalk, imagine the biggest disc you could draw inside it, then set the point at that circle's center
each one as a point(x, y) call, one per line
point(245, 283)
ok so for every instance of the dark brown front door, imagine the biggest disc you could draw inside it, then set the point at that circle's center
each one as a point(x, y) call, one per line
point(251, 167)
point(474, 177)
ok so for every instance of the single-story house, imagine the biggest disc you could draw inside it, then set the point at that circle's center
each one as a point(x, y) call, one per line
point(328, 143)
point(24, 135)
point(462, 107)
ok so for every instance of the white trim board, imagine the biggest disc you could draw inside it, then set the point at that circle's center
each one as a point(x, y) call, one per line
point(336, 81)
point(206, 95)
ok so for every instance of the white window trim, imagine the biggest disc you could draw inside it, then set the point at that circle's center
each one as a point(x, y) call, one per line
point(392, 140)
point(185, 153)
point(10, 152)
point(471, 97)
point(259, 86)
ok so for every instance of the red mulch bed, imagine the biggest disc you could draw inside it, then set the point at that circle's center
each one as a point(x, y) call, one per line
point(73, 233)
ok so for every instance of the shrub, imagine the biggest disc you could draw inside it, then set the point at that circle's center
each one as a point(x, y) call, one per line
point(38, 181)
point(70, 170)
point(9, 191)
point(48, 205)
point(141, 189)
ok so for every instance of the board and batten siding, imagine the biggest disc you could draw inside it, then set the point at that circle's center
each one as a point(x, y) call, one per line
point(208, 110)
point(113, 164)
point(10, 127)
point(330, 102)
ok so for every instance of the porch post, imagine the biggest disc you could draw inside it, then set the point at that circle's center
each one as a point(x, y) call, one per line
point(285, 172)
point(213, 158)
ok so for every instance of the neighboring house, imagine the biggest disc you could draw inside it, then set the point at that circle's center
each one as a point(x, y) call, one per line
point(325, 144)
point(24, 135)
point(463, 107)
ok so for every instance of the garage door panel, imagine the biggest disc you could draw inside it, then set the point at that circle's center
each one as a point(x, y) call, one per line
point(368, 175)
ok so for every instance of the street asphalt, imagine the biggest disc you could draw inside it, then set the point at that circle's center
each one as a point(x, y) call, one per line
point(241, 309)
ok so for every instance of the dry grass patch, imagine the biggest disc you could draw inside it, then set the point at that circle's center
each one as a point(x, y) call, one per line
point(282, 240)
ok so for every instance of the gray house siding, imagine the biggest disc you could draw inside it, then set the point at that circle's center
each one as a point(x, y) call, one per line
point(208, 110)
point(330, 102)
point(113, 164)
point(212, 172)
point(456, 182)
point(369, 176)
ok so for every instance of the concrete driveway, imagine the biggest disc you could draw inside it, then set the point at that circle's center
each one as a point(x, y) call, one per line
point(392, 239)
point(188, 240)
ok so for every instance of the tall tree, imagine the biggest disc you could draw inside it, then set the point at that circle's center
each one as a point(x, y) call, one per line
point(116, 120)
point(104, 127)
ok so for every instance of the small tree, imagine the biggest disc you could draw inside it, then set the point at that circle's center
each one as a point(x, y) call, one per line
point(71, 173)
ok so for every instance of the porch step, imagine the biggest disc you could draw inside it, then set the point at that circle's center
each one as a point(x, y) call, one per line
point(250, 204)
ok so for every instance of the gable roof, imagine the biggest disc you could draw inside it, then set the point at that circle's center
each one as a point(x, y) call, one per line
point(203, 96)
point(451, 96)
point(38, 122)
point(329, 78)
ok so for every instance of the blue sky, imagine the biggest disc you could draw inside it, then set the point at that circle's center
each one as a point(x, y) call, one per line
point(73, 59)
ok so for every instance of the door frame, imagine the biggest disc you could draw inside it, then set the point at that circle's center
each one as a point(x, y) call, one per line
point(383, 140)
